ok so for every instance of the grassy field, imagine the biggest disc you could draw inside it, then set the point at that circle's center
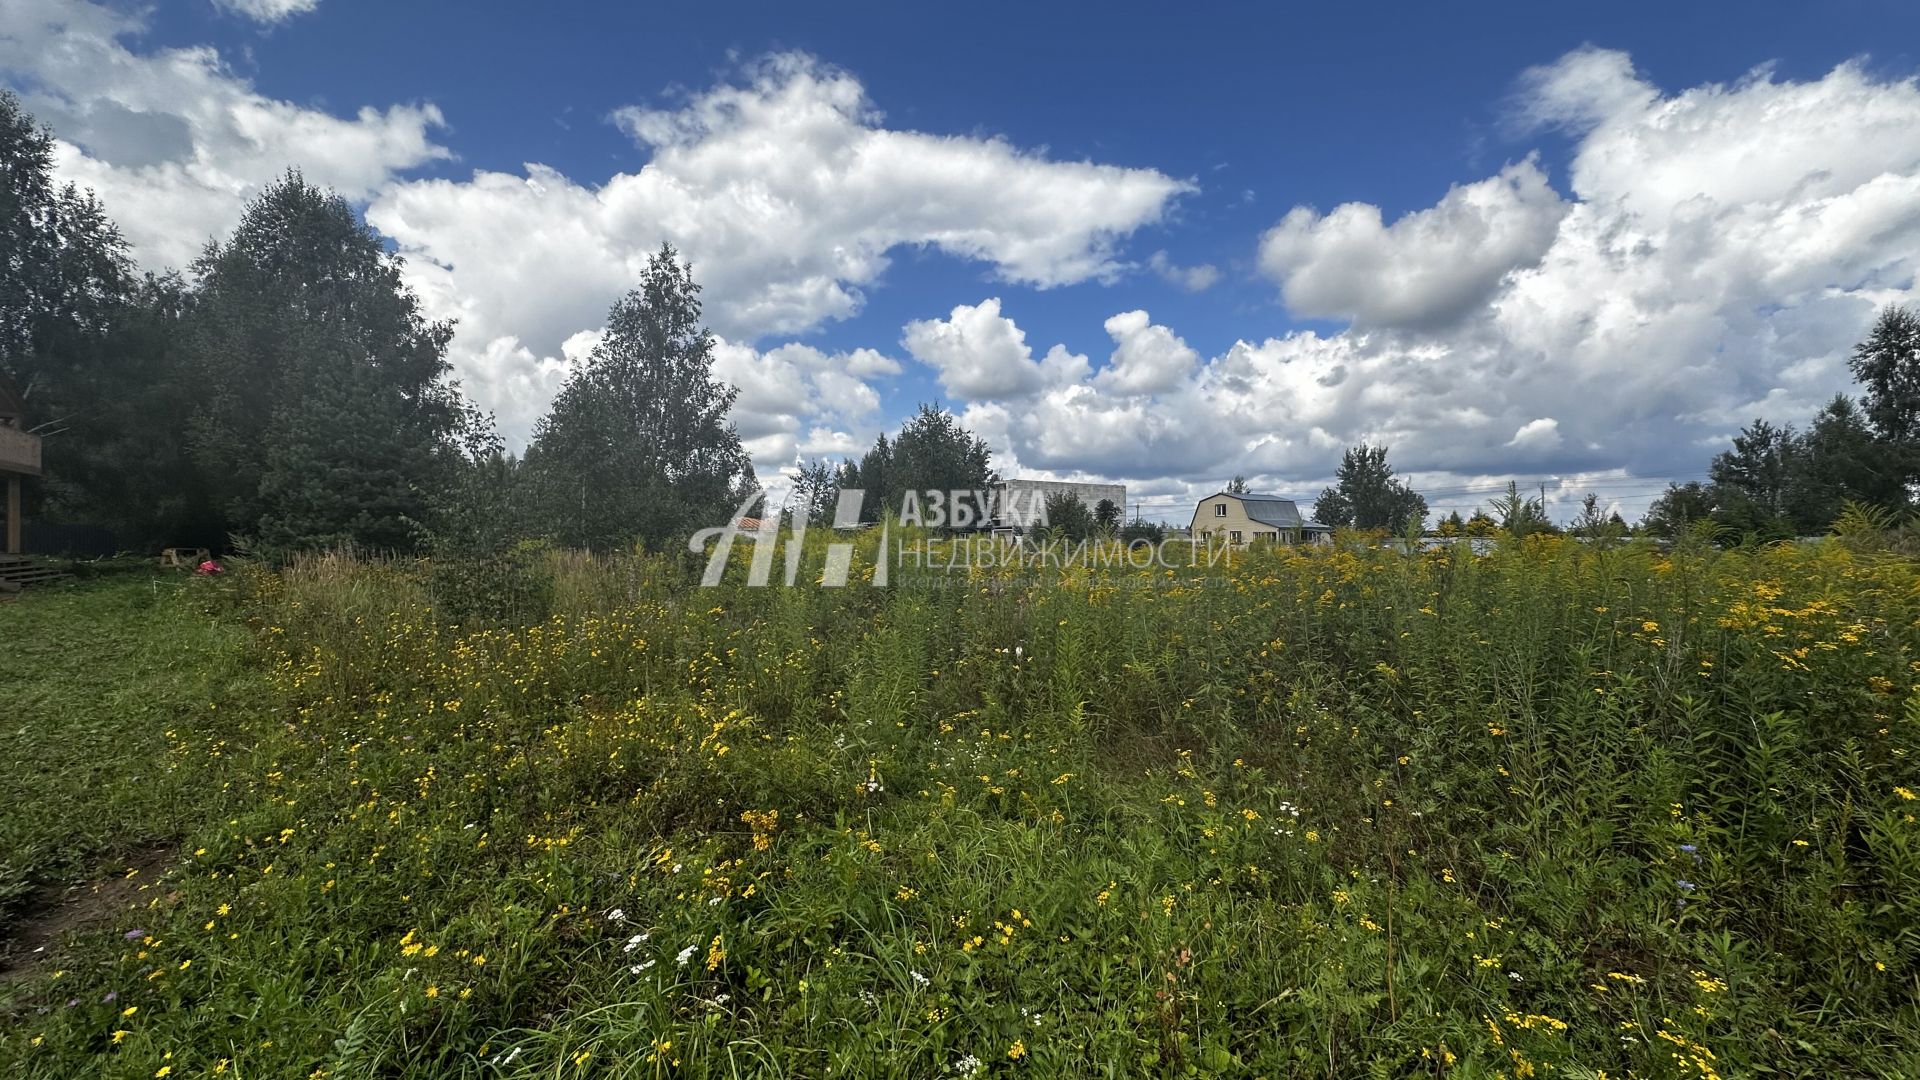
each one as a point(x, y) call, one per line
point(1557, 810)
point(94, 681)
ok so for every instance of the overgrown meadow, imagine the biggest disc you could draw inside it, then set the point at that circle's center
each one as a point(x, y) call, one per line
point(1560, 809)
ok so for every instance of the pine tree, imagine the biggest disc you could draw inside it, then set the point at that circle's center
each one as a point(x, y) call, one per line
point(65, 285)
point(63, 266)
point(334, 473)
point(874, 476)
point(119, 453)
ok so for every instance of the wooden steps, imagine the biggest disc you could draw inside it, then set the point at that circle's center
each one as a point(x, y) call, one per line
point(20, 571)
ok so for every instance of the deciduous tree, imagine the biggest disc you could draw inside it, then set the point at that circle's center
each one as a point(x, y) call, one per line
point(1366, 494)
point(1067, 517)
point(637, 446)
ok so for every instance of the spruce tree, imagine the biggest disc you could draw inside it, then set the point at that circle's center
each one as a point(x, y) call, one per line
point(301, 320)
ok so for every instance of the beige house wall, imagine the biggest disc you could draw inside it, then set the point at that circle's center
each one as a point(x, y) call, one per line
point(1210, 523)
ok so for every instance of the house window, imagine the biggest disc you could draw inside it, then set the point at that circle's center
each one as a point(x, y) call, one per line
point(1235, 534)
point(1219, 509)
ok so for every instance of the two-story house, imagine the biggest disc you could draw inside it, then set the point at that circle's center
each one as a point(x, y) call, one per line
point(1242, 519)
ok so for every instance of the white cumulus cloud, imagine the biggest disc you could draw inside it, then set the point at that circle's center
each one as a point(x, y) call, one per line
point(1722, 249)
point(1429, 266)
point(787, 192)
point(1718, 252)
point(981, 355)
point(1541, 434)
point(1148, 358)
point(785, 188)
point(174, 141)
point(1714, 252)
point(797, 401)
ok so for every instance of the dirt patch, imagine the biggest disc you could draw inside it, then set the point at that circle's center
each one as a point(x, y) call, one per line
point(53, 912)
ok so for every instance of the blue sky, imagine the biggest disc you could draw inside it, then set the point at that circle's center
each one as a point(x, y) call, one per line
point(1481, 339)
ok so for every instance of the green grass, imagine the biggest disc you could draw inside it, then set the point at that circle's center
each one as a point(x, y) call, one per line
point(93, 677)
point(1555, 811)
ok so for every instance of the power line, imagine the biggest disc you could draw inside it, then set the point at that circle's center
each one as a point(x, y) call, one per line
point(1619, 483)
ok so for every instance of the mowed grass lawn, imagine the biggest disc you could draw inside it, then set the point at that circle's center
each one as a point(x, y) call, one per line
point(94, 676)
point(1556, 810)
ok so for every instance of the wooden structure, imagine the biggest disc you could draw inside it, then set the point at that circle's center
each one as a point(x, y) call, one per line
point(19, 458)
point(183, 558)
point(19, 571)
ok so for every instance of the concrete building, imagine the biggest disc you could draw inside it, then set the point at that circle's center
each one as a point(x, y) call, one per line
point(1021, 504)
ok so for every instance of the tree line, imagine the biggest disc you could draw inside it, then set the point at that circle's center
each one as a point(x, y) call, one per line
point(934, 452)
point(1776, 481)
point(288, 392)
point(1780, 480)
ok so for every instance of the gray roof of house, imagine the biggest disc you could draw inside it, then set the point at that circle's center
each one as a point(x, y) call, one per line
point(1272, 510)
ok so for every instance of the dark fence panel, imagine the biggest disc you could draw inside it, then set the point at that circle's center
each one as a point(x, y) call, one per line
point(73, 541)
